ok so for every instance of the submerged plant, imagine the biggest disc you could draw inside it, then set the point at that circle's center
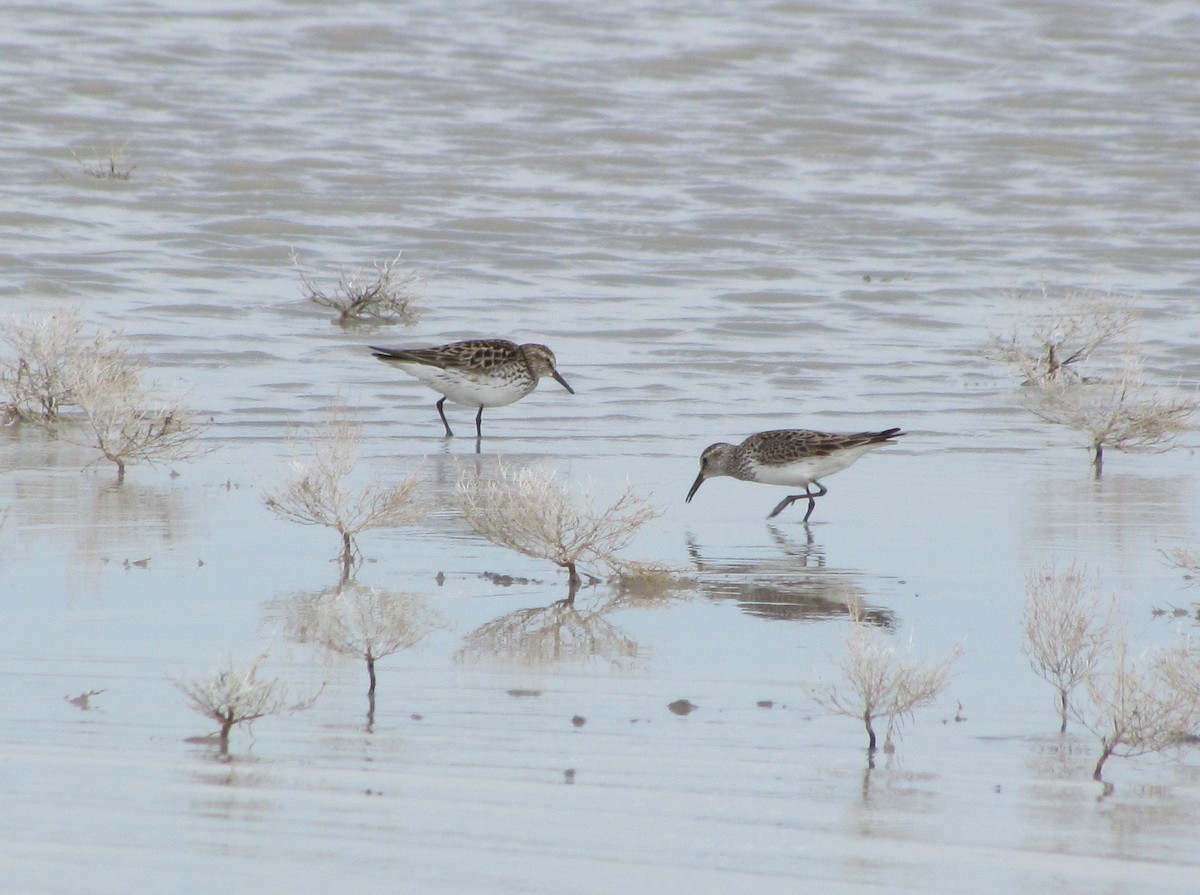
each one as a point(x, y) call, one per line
point(1064, 636)
point(877, 683)
point(530, 511)
point(233, 695)
point(109, 168)
point(318, 490)
point(385, 293)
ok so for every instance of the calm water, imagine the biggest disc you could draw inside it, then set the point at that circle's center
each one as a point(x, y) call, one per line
point(722, 219)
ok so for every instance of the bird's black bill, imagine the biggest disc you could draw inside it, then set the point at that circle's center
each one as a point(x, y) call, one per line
point(695, 487)
point(562, 382)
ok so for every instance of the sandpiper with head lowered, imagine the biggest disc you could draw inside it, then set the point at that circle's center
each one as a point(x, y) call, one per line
point(477, 373)
point(795, 457)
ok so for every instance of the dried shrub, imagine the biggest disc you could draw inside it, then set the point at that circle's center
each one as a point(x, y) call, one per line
point(1065, 638)
point(878, 683)
point(1116, 412)
point(125, 420)
point(528, 510)
point(109, 167)
point(318, 490)
point(1187, 561)
point(384, 293)
point(233, 695)
point(1048, 349)
point(1053, 337)
point(39, 375)
point(1141, 705)
point(88, 389)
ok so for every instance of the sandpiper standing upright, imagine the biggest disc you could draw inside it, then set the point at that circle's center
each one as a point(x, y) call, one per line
point(795, 457)
point(477, 373)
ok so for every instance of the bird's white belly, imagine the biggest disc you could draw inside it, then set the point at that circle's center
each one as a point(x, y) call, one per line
point(490, 391)
point(799, 473)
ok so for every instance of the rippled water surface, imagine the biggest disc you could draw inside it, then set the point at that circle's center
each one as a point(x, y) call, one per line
point(723, 218)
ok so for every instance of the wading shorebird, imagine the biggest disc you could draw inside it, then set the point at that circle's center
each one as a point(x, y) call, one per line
point(795, 457)
point(477, 373)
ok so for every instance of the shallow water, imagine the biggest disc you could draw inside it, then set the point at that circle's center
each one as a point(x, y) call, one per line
point(721, 221)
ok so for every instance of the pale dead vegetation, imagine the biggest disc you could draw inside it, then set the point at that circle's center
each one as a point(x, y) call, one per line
point(127, 422)
point(1065, 635)
point(233, 694)
point(39, 374)
point(1048, 349)
point(1179, 667)
point(318, 490)
point(384, 293)
point(530, 511)
point(1187, 561)
point(1117, 411)
point(110, 166)
point(876, 682)
point(1135, 705)
point(1052, 336)
point(1142, 704)
point(90, 391)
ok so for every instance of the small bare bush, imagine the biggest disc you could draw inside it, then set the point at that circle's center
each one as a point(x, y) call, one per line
point(89, 389)
point(1048, 349)
point(1141, 705)
point(1117, 412)
point(125, 420)
point(235, 694)
point(318, 490)
point(1054, 336)
point(109, 167)
point(39, 375)
point(1065, 638)
point(1180, 671)
point(385, 292)
point(877, 683)
point(528, 510)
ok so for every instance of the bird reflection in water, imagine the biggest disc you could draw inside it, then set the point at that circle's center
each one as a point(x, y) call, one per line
point(798, 587)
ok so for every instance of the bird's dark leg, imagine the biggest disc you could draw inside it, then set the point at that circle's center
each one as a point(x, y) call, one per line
point(812, 500)
point(784, 504)
point(442, 414)
point(479, 422)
